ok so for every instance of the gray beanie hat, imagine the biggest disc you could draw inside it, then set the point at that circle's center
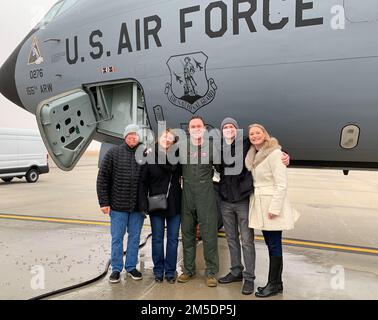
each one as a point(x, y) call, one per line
point(130, 129)
point(229, 121)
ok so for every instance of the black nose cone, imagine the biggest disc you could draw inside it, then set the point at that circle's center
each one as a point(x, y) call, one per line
point(7, 79)
point(7, 74)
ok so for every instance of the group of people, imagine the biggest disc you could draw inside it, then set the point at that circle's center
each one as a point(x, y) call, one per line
point(253, 198)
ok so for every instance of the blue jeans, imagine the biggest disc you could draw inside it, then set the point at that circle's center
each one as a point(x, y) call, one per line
point(273, 240)
point(165, 264)
point(120, 222)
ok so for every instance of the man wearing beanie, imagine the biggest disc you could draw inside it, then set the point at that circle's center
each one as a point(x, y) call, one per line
point(235, 190)
point(117, 191)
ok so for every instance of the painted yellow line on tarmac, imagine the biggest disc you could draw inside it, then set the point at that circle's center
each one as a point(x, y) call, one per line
point(304, 243)
point(310, 244)
point(56, 220)
point(330, 246)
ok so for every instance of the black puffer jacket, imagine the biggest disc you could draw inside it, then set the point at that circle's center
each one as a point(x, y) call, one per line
point(234, 188)
point(118, 179)
point(155, 180)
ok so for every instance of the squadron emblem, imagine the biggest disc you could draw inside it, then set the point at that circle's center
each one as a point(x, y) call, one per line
point(190, 88)
point(35, 56)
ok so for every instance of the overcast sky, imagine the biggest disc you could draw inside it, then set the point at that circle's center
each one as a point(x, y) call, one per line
point(17, 18)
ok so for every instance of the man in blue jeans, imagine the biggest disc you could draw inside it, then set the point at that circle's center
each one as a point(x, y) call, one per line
point(117, 192)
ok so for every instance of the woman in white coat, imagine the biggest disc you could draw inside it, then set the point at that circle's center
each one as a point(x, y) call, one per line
point(269, 209)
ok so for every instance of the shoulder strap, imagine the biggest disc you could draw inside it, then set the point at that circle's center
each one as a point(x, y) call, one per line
point(169, 185)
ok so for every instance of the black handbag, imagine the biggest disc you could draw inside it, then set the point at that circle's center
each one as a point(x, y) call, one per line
point(159, 201)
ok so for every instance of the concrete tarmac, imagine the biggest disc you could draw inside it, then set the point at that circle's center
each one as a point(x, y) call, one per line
point(336, 209)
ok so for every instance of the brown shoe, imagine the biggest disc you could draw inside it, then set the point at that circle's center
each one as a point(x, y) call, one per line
point(211, 281)
point(183, 278)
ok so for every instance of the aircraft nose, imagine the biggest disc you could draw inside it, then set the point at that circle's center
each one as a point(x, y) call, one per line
point(7, 79)
point(8, 74)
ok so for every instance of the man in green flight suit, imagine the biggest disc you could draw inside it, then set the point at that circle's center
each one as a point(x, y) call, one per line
point(199, 203)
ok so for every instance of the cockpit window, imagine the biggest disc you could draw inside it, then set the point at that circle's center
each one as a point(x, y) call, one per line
point(56, 10)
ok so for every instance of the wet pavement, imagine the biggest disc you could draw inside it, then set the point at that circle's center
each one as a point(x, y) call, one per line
point(336, 209)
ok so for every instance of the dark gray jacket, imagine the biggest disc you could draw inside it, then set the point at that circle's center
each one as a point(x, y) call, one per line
point(234, 188)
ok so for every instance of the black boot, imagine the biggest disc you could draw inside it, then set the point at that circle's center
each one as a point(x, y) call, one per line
point(275, 269)
point(259, 289)
point(280, 283)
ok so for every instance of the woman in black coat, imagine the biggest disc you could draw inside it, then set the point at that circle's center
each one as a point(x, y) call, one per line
point(157, 178)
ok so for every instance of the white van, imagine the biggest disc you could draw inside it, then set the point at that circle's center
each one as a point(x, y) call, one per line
point(22, 154)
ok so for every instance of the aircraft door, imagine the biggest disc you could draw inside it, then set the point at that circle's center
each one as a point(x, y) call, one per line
point(122, 103)
point(67, 124)
point(70, 121)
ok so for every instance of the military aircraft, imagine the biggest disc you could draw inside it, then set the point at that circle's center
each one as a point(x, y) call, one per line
point(306, 69)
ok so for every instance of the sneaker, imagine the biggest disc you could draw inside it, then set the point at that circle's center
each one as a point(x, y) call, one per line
point(171, 279)
point(135, 274)
point(211, 281)
point(231, 278)
point(183, 278)
point(115, 277)
point(159, 279)
point(248, 287)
